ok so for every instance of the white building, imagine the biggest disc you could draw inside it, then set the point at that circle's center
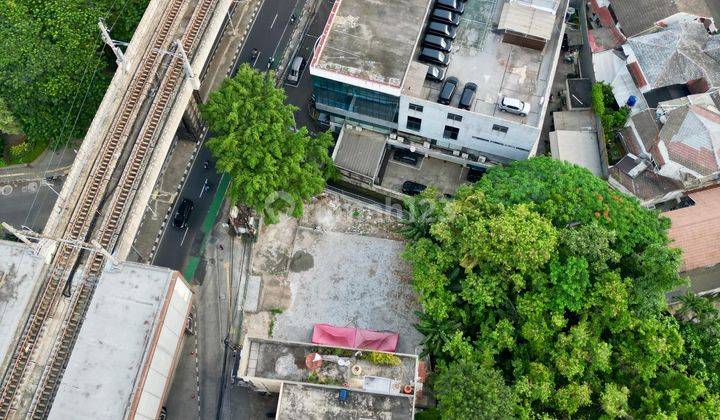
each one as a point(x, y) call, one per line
point(366, 71)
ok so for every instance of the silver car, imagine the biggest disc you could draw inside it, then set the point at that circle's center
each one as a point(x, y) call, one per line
point(514, 106)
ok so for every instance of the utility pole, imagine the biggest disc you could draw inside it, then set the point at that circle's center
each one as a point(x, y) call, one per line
point(105, 33)
point(186, 65)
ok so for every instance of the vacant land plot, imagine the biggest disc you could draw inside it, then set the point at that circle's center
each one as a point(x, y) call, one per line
point(340, 264)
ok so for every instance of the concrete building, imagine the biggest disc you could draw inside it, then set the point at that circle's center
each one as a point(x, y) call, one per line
point(310, 387)
point(122, 364)
point(366, 72)
point(575, 140)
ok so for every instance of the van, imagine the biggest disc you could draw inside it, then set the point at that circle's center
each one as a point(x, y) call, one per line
point(448, 90)
point(455, 6)
point(441, 29)
point(437, 42)
point(433, 56)
point(445, 16)
point(294, 74)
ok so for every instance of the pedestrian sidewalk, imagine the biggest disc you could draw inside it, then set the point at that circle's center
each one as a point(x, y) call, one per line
point(50, 163)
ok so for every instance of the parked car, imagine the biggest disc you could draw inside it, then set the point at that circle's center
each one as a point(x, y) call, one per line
point(437, 42)
point(294, 73)
point(514, 106)
point(445, 16)
point(467, 96)
point(412, 188)
point(435, 74)
point(448, 90)
point(433, 56)
point(442, 29)
point(182, 215)
point(455, 6)
point(475, 173)
point(406, 156)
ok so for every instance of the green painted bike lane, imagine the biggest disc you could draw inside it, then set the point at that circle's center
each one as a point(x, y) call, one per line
point(207, 225)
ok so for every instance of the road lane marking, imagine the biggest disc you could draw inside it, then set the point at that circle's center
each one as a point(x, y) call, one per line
point(273, 22)
point(257, 57)
point(184, 235)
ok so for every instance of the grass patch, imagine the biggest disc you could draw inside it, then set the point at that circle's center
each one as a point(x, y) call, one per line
point(25, 152)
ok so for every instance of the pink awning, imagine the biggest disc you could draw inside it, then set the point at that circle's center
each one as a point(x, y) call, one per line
point(331, 335)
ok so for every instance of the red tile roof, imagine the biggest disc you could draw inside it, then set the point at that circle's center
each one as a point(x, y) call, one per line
point(696, 230)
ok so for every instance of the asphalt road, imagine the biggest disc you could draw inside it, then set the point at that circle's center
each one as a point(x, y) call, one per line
point(269, 34)
point(28, 204)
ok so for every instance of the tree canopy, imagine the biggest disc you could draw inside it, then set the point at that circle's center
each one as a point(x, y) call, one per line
point(51, 68)
point(274, 166)
point(542, 275)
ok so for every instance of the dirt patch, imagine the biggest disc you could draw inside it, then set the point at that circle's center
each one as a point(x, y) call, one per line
point(301, 261)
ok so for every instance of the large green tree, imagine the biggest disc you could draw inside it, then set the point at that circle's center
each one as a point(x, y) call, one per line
point(557, 282)
point(52, 71)
point(274, 166)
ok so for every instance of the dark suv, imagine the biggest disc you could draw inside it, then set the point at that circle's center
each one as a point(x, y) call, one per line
point(405, 156)
point(448, 90)
point(468, 94)
point(455, 6)
point(182, 215)
point(412, 188)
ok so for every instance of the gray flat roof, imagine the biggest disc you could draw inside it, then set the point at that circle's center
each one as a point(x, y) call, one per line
point(113, 343)
point(20, 271)
point(499, 69)
point(370, 41)
point(301, 401)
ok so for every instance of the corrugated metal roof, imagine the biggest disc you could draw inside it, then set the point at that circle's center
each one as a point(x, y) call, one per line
point(636, 16)
point(528, 20)
point(360, 152)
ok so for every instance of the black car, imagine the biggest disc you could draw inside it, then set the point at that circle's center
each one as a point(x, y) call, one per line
point(435, 74)
point(468, 94)
point(475, 173)
point(437, 42)
point(448, 90)
point(455, 6)
point(412, 188)
point(182, 215)
point(445, 16)
point(433, 56)
point(441, 29)
point(406, 156)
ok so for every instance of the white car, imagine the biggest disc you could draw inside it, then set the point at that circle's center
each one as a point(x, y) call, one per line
point(514, 106)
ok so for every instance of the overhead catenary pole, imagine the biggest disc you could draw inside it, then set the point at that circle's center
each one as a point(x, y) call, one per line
point(119, 56)
point(186, 65)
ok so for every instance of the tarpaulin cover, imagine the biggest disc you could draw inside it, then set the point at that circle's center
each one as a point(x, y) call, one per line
point(334, 336)
point(354, 337)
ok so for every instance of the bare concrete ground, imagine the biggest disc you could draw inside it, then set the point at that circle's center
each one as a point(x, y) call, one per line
point(340, 264)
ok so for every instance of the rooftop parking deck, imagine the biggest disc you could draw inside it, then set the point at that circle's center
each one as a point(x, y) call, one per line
point(370, 41)
point(499, 69)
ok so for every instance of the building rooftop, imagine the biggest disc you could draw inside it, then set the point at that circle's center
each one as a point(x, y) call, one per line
point(677, 54)
point(611, 68)
point(499, 69)
point(370, 42)
point(359, 151)
point(636, 16)
point(117, 341)
point(578, 147)
point(286, 361)
point(20, 274)
point(695, 230)
point(304, 401)
point(635, 177)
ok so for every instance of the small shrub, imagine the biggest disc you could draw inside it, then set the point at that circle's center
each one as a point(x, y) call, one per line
point(276, 311)
point(19, 150)
point(271, 327)
point(382, 359)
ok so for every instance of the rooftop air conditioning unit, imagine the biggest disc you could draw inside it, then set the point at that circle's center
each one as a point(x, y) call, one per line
point(637, 170)
point(393, 136)
point(464, 155)
point(349, 126)
point(426, 144)
point(401, 139)
point(358, 128)
point(456, 153)
point(481, 159)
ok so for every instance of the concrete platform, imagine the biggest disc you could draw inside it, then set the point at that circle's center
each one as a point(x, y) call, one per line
point(21, 273)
